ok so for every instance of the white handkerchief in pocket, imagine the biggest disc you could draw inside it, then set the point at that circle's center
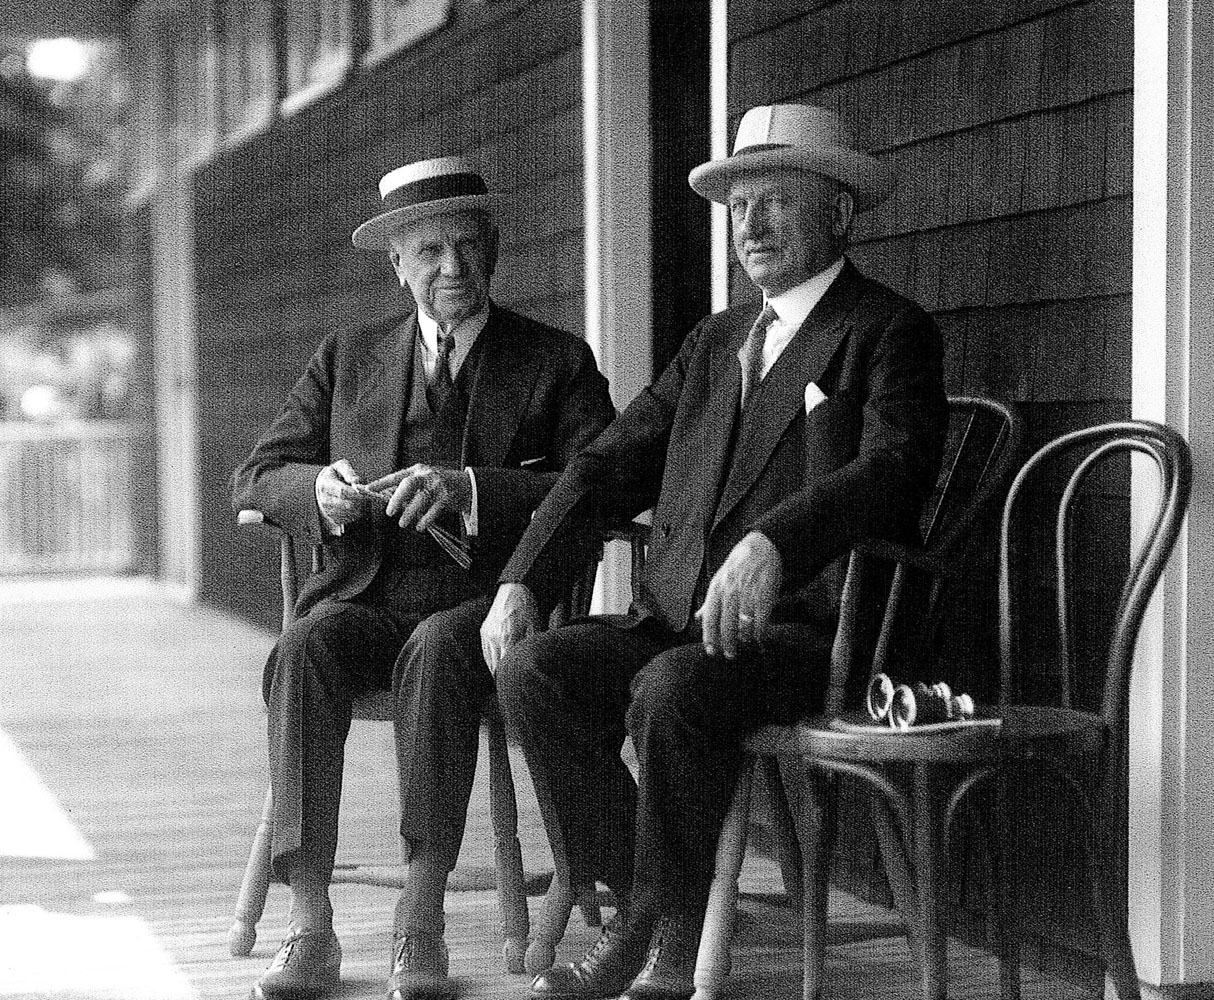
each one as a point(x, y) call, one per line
point(813, 396)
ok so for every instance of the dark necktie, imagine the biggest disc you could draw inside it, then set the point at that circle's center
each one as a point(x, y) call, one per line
point(439, 389)
point(751, 355)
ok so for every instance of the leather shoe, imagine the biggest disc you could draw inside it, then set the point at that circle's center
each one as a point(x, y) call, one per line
point(669, 969)
point(606, 969)
point(308, 965)
point(419, 968)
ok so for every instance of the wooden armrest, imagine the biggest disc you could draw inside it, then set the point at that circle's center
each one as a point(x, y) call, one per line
point(909, 555)
point(633, 531)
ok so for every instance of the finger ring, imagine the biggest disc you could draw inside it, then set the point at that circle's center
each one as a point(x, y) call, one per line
point(744, 617)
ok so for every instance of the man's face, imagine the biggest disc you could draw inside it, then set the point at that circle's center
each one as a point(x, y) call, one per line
point(446, 260)
point(787, 226)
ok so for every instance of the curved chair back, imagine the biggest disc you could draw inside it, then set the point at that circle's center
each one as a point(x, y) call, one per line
point(984, 443)
point(1080, 454)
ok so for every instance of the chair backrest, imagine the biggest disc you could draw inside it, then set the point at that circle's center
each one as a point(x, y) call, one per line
point(891, 602)
point(1058, 474)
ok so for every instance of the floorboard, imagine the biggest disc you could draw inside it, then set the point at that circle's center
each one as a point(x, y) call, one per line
point(142, 720)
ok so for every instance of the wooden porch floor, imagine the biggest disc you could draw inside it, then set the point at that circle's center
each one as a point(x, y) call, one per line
point(131, 774)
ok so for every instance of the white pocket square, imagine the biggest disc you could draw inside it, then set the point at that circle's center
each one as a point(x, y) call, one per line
point(813, 396)
point(531, 461)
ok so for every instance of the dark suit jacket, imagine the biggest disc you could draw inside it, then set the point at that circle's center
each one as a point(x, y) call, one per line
point(859, 464)
point(536, 398)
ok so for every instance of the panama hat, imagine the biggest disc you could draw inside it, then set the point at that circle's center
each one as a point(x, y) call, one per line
point(427, 187)
point(800, 137)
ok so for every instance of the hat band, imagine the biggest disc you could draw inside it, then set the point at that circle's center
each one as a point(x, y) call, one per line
point(434, 189)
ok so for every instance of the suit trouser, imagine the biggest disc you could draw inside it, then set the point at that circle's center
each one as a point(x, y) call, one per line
point(343, 649)
point(569, 696)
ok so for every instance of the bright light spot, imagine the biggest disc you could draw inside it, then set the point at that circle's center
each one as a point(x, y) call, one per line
point(32, 824)
point(56, 59)
point(111, 957)
point(111, 897)
point(42, 402)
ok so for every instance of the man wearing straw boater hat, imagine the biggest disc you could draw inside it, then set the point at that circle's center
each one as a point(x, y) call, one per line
point(413, 455)
point(780, 434)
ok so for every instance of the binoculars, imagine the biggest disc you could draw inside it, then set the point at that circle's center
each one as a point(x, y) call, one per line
point(902, 706)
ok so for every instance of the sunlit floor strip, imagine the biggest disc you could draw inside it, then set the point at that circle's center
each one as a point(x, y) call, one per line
point(32, 823)
point(100, 957)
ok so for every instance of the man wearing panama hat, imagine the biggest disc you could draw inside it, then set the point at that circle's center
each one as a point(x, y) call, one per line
point(779, 435)
point(413, 454)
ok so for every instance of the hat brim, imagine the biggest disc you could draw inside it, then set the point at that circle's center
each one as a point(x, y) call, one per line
point(869, 180)
point(373, 234)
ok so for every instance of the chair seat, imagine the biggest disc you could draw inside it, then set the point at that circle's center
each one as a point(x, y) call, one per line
point(853, 737)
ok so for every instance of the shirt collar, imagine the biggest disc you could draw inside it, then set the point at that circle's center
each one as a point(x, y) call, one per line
point(794, 305)
point(466, 331)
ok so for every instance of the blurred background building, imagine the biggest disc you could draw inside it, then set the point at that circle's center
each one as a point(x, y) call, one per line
point(1052, 211)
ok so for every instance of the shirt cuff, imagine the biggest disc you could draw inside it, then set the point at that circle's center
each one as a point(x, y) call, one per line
point(471, 521)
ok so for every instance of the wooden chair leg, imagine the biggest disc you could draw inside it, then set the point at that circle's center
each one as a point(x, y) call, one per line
point(817, 829)
point(788, 850)
point(254, 886)
point(1109, 892)
point(563, 891)
point(553, 919)
point(1003, 853)
point(898, 872)
point(927, 871)
point(507, 855)
point(712, 960)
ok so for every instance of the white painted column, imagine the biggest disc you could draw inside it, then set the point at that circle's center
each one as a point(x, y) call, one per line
point(718, 85)
point(1172, 700)
point(617, 183)
point(175, 342)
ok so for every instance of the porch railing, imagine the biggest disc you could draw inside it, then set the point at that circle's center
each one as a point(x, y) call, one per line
point(65, 497)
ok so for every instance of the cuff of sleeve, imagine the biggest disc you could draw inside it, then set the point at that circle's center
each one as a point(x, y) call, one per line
point(471, 519)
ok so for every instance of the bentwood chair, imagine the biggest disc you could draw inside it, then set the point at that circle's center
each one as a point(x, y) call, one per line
point(889, 612)
point(377, 706)
point(1070, 739)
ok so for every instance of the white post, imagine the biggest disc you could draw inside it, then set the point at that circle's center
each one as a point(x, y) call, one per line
point(1172, 700)
point(718, 84)
point(619, 272)
point(174, 338)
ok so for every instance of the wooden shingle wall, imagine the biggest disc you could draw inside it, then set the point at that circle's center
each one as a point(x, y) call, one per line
point(275, 267)
point(1009, 125)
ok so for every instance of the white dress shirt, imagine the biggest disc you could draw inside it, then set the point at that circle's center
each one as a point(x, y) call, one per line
point(792, 308)
point(465, 333)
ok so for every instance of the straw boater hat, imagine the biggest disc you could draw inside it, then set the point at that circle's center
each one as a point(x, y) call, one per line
point(428, 187)
point(798, 136)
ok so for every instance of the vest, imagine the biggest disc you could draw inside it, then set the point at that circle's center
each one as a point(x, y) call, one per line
point(415, 576)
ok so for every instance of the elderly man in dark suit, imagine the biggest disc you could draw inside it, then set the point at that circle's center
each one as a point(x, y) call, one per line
point(778, 436)
point(414, 455)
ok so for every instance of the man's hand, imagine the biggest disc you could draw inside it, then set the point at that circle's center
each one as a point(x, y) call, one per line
point(340, 504)
point(741, 596)
point(421, 493)
point(513, 617)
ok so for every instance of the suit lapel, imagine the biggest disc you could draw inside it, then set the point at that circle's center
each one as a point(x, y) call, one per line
point(780, 397)
point(705, 450)
point(499, 394)
point(383, 392)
